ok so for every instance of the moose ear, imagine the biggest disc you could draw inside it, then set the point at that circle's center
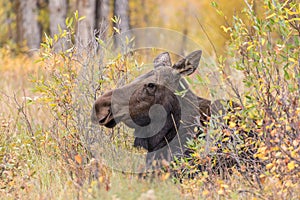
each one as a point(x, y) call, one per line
point(189, 64)
point(162, 59)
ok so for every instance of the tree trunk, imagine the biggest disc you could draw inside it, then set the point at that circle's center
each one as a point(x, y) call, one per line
point(85, 29)
point(121, 10)
point(28, 29)
point(58, 14)
point(102, 18)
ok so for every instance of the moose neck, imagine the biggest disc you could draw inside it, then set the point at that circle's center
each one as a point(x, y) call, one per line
point(173, 140)
point(179, 125)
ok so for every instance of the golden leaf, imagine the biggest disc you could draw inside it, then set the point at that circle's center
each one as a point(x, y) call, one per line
point(269, 166)
point(165, 176)
point(232, 124)
point(291, 165)
point(221, 191)
point(205, 192)
point(101, 179)
point(78, 159)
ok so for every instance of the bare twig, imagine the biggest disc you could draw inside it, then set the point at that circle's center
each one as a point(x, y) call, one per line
point(206, 34)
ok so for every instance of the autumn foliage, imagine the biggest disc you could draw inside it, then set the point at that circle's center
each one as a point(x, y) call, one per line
point(45, 129)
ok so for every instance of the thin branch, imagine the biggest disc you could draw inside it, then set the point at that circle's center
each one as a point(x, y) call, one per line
point(206, 34)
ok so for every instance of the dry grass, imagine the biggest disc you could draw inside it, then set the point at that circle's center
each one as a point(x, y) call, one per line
point(32, 168)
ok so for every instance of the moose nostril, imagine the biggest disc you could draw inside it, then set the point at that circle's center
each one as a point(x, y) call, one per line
point(151, 85)
point(101, 121)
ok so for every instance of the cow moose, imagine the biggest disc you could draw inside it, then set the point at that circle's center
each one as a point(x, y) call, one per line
point(160, 107)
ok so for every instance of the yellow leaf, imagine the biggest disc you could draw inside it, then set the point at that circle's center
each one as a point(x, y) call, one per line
point(226, 29)
point(291, 165)
point(250, 47)
point(93, 183)
point(224, 186)
point(262, 176)
point(226, 117)
point(232, 124)
point(205, 192)
point(117, 30)
point(81, 18)
point(259, 122)
point(165, 176)
point(69, 183)
point(294, 154)
point(101, 179)
point(293, 60)
point(221, 191)
point(269, 166)
point(294, 19)
point(270, 16)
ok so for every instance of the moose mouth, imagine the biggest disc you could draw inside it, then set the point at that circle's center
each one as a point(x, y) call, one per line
point(108, 121)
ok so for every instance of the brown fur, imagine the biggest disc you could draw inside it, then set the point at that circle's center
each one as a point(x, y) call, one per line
point(134, 103)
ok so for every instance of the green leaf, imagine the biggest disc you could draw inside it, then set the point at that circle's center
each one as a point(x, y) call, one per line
point(214, 4)
point(286, 75)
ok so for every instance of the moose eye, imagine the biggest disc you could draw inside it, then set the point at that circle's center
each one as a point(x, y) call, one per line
point(149, 89)
point(151, 85)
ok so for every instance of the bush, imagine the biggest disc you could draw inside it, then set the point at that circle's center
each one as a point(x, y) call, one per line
point(264, 48)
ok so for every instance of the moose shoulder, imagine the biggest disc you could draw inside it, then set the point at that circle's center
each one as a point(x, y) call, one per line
point(159, 106)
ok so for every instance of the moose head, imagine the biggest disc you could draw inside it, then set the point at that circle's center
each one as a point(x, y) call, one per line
point(158, 105)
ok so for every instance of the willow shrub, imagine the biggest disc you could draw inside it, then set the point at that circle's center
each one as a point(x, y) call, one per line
point(264, 47)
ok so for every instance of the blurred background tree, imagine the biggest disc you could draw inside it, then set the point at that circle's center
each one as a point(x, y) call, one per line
point(33, 18)
point(28, 29)
point(57, 14)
